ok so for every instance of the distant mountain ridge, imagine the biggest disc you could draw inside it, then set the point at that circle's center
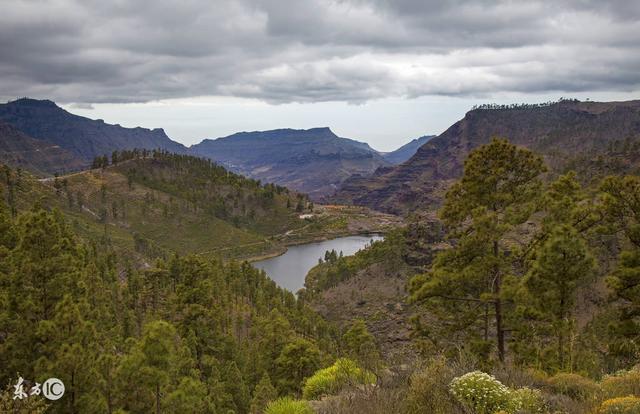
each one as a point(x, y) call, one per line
point(41, 136)
point(407, 150)
point(314, 161)
point(83, 137)
point(600, 137)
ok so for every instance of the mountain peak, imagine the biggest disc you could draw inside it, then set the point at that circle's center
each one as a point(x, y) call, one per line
point(322, 129)
point(406, 151)
point(33, 103)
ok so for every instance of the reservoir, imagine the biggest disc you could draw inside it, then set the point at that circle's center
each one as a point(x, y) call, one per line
point(290, 269)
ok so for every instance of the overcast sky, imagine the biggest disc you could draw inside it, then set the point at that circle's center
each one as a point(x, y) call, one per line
point(382, 71)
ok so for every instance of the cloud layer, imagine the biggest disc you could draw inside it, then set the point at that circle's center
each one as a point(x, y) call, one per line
point(93, 51)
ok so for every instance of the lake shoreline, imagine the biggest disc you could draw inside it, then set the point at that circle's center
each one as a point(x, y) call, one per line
point(286, 245)
point(289, 270)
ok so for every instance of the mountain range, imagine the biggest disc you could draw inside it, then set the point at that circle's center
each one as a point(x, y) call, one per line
point(40, 136)
point(595, 138)
point(592, 137)
point(314, 161)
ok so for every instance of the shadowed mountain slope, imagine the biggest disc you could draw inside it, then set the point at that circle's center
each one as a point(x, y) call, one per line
point(594, 138)
point(83, 137)
point(19, 150)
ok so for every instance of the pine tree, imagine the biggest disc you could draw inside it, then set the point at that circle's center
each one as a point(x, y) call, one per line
point(298, 360)
point(68, 352)
point(496, 193)
point(361, 345)
point(561, 263)
point(235, 386)
point(621, 204)
point(190, 396)
point(262, 395)
point(43, 266)
point(148, 368)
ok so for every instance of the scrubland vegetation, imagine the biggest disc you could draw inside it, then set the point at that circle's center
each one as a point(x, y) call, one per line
point(524, 299)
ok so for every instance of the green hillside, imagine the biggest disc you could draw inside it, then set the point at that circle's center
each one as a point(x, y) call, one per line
point(155, 203)
point(152, 203)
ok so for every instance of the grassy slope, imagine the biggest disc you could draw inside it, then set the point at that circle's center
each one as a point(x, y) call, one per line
point(163, 219)
point(179, 230)
point(153, 212)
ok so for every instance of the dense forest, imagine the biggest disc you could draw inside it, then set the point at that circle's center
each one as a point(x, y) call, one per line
point(521, 297)
point(129, 333)
point(184, 335)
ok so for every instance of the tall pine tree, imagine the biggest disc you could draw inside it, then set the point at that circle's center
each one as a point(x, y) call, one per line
point(496, 193)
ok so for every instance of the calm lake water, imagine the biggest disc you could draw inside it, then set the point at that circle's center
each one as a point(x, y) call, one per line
point(290, 269)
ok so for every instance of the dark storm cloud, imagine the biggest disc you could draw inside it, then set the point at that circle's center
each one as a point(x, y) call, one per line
point(90, 51)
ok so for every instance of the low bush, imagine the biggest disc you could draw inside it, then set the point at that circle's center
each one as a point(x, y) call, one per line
point(621, 384)
point(621, 405)
point(575, 386)
point(527, 400)
point(481, 393)
point(288, 405)
point(429, 389)
point(344, 372)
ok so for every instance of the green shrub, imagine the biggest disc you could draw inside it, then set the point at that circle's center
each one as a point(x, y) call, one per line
point(429, 389)
point(331, 380)
point(288, 405)
point(527, 400)
point(621, 405)
point(621, 384)
point(574, 386)
point(481, 393)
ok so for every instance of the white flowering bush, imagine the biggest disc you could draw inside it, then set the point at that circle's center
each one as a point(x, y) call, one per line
point(481, 393)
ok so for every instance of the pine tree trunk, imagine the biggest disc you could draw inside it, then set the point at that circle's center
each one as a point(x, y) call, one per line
point(499, 329)
point(498, 306)
point(486, 322)
point(158, 398)
point(561, 331)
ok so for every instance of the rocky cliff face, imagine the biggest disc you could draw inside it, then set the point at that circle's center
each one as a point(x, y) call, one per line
point(83, 137)
point(569, 134)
